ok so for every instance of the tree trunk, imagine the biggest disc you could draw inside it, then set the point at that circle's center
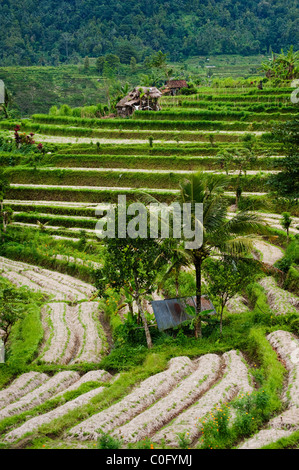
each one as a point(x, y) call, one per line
point(6, 335)
point(131, 311)
point(145, 325)
point(221, 316)
point(5, 111)
point(3, 223)
point(177, 283)
point(198, 333)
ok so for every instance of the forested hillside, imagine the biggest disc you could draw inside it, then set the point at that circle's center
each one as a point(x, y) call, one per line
point(49, 32)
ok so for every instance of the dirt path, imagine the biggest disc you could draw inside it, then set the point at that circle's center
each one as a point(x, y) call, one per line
point(269, 253)
point(88, 140)
point(146, 170)
point(120, 188)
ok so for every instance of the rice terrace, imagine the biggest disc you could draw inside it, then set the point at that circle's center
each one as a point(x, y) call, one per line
point(141, 340)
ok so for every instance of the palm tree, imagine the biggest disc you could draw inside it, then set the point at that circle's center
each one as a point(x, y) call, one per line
point(286, 222)
point(42, 226)
point(179, 259)
point(220, 236)
point(154, 79)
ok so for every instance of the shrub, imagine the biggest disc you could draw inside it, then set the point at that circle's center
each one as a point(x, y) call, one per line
point(290, 258)
point(53, 111)
point(105, 441)
point(183, 440)
point(145, 444)
point(215, 427)
point(292, 280)
point(65, 110)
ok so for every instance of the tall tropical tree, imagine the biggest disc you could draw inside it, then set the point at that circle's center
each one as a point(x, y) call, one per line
point(221, 236)
point(128, 266)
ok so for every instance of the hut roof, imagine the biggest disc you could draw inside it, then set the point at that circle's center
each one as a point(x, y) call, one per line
point(123, 102)
point(172, 312)
point(153, 92)
point(177, 84)
point(134, 96)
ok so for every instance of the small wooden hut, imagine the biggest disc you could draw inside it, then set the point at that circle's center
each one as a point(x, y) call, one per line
point(141, 98)
point(173, 87)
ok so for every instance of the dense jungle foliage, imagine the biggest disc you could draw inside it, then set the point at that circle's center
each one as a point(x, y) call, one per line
point(49, 32)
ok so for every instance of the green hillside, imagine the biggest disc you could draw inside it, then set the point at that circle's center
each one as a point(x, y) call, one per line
point(49, 32)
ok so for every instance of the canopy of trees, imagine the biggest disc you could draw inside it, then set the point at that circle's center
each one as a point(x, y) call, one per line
point(52, 31)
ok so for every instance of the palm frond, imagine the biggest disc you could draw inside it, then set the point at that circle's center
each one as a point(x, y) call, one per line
point(244, 223)
point(193, 189)
point(214, 213)
point(216, 184)
point(147, 198)
point(241, 245)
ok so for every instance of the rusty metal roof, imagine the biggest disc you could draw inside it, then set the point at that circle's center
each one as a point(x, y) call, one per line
point(170, 313)
point(177, 84)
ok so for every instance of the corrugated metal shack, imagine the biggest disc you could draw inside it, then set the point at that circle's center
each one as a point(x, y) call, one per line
point(170, 313)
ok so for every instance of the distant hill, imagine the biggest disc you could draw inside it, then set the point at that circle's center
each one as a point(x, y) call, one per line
point(48, 32)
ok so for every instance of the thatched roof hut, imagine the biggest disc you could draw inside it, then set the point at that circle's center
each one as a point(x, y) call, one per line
point(143, 98)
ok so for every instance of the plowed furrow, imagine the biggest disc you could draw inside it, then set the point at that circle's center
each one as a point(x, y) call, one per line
point(34, 423)
point(280, 301)
point(22, 281)
point(92, 376)
point(234, 381)
point(180, 398)
point(54, 315)
point(21, 386)
point(147, 393)
point(45, 282)
point(65, 287)
point(59, 382)
point(91, 344)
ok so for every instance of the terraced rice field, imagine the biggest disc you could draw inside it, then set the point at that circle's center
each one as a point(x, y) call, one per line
point(58, 286)
point(187, 135)
point(72, 333)
point(95, 161)
point(162, 406)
